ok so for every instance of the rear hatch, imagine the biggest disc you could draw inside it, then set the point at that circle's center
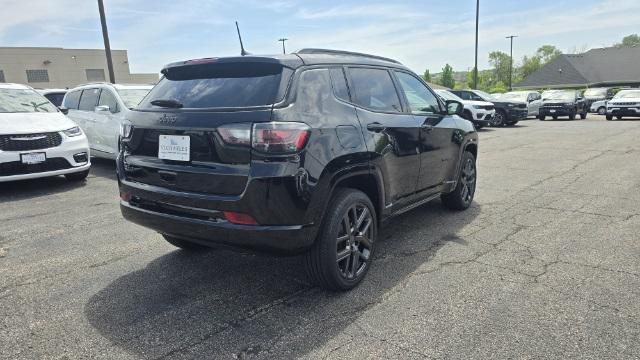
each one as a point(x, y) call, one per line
point(193, 131)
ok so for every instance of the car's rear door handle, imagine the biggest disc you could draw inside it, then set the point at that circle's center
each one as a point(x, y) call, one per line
point(376, 127)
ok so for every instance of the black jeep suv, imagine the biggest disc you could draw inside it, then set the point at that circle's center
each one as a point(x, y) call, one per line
point(299, 153)
point(507, 112)
point(563, 103)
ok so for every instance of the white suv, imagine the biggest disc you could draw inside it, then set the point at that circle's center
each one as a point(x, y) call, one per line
point(480, 113)
point(36, 139)
point(625, 103)
point(100, 110)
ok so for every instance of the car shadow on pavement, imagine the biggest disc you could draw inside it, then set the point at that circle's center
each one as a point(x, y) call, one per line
point(33, 188)
point(103, 168)
point(221, 304)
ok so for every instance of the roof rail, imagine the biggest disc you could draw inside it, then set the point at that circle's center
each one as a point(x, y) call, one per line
point(341, 52)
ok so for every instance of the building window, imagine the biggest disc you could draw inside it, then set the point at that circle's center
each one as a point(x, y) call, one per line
point(2, 76)
point(37, 76)
point(95, 74)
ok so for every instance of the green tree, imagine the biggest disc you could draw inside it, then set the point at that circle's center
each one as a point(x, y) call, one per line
point(529, 65)
point(630, 40)
point(548, 53)
point(427, 76)
point(500, 63)
point(446, 78)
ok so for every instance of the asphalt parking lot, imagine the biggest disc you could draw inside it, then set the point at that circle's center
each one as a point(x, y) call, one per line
point(544, 265)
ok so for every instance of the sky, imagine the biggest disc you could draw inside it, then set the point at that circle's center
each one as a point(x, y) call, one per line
point(422, 34)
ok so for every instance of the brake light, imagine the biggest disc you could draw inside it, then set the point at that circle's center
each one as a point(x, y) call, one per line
point(239, 218)
point(280, 137)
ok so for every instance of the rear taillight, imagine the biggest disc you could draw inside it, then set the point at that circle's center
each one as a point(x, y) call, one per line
point(280, 137)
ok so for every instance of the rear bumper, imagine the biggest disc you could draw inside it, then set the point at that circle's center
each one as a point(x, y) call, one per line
point(211, 230)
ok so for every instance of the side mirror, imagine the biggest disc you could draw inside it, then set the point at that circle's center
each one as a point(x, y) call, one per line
point(63, 110)
point(102, 108)
point(454, 107)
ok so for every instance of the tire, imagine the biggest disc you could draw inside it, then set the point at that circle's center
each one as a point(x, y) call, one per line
point(555, 117)
point(541, 117)
point(341, 255)
point(572, 115)
point(609, 117)
point(619, 117)
point(185, 245)
point(512, 123)
point(602, 110)
point(462, 196)
point(77, 177)
point(583, 116)
point(499, 118)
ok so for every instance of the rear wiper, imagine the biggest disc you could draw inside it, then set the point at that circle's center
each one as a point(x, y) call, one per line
point(167, 103)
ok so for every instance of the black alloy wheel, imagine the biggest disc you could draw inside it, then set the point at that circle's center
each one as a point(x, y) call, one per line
point(462, 196)
point(499, 118)
point(342, 253)
point(354, 241)
point(602, 110)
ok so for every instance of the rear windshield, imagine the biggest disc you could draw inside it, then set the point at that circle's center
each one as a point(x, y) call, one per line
point(226, 85)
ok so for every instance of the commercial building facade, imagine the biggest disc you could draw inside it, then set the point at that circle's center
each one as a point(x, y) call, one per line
point(48, 67)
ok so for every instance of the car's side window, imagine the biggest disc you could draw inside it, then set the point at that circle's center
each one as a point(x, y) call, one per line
point(339, 84)
point(420, 98)
point(72, 99)
point(475, 97)
point(89, 99)
point(463, 95)
point(107, 98)
point(374, 89)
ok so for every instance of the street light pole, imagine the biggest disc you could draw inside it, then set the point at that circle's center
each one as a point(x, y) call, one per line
point(105, 37)
point(283, 40)
point(475, 68)
point(511, 60)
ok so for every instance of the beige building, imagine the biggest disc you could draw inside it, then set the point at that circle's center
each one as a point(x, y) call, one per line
point(45, 67)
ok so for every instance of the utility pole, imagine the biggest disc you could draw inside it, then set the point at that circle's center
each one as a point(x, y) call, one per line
point(475, 68)
point(283, 40)
point(105, 37)
point(511, 59)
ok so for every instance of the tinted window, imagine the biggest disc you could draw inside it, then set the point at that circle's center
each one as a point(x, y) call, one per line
point(55, 98)
point(72, 99)
point(107, 98)
point(212, 85)
point(420, 98)
point(374, 89)
point(462, 94)
point(339, 84)
point(89, 99)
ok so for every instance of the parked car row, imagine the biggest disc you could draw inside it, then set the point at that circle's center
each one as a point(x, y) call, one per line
point(507, 112)
point(304, 153)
